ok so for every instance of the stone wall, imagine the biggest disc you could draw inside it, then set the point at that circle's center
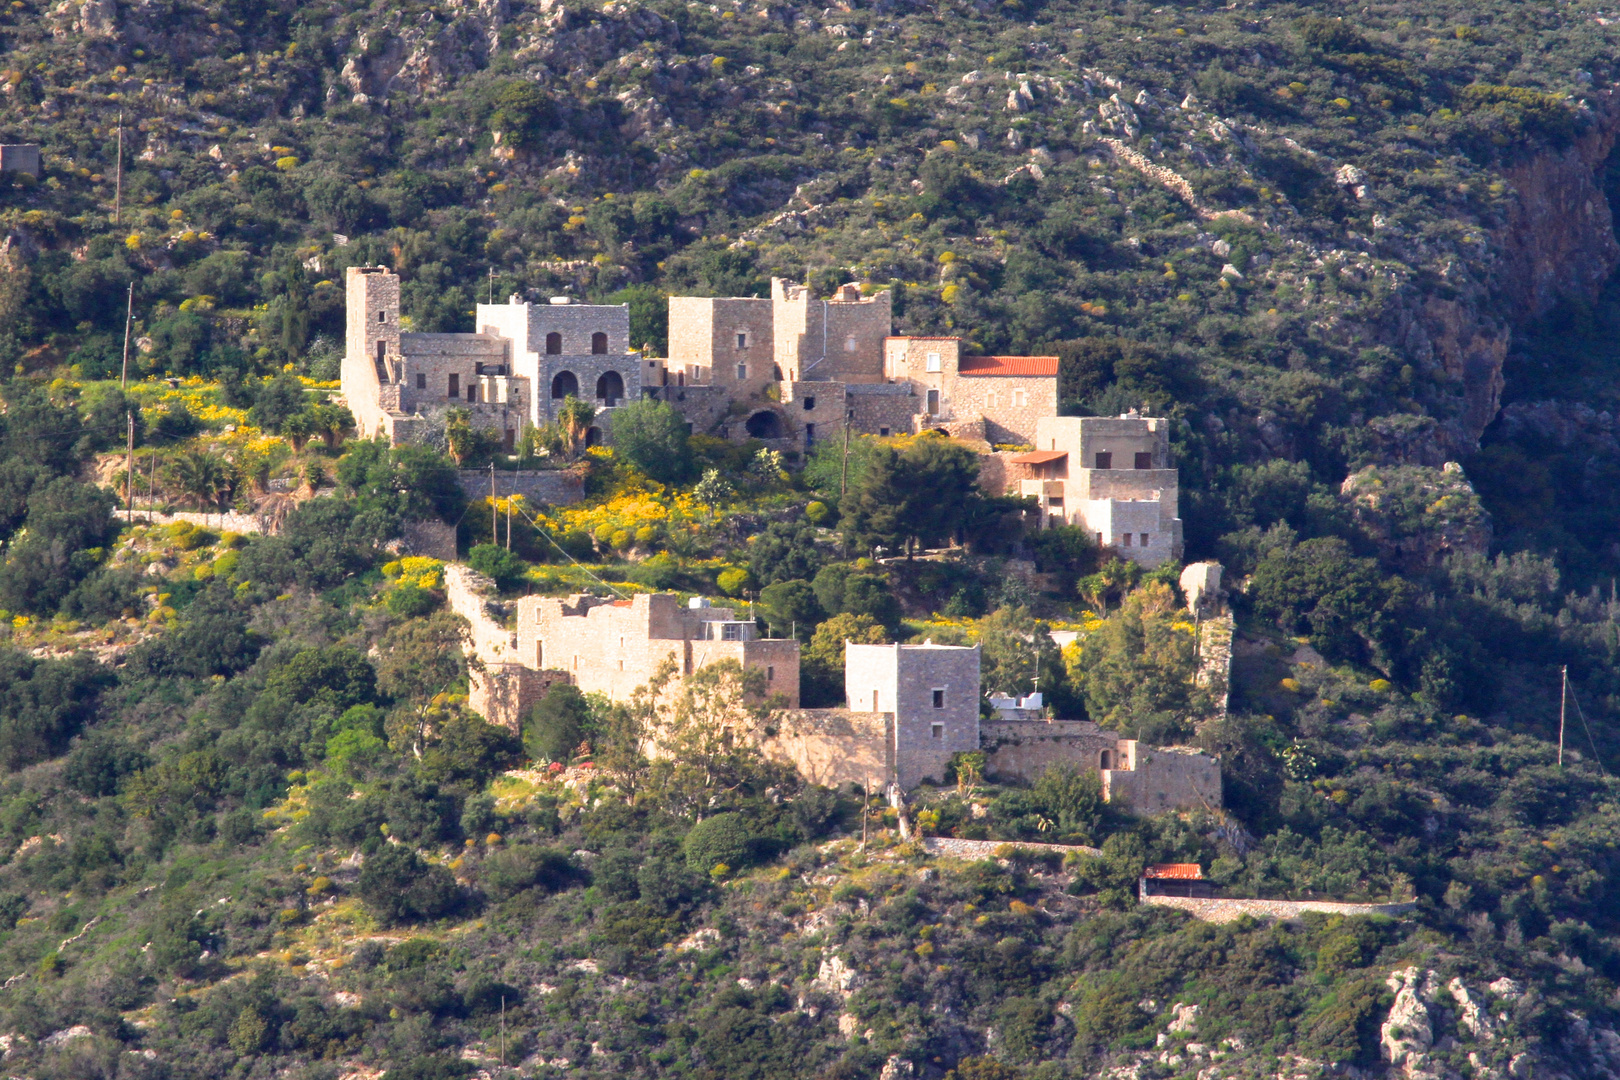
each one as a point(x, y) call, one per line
point(1225, 911)
point(1024, 749)
point(839, 339)
point(1010, 404)
point(933, 692)
point(20, 157)
point(1165, 778)
point(503, 694)
point(833, 747)
point(548, 487)
point(704, 332)
point(950, 847)
point(999, 474)
point(883, 408)
point(433, 539)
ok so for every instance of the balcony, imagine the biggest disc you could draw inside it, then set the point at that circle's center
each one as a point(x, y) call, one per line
point(1041, 489)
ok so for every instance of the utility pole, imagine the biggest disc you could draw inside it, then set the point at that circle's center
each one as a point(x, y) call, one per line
point(494, 517)
point(118, 189)
point(1563, 697)
point(123, 388)
point(503, 1031)
point(492, 286)
point(509, 523)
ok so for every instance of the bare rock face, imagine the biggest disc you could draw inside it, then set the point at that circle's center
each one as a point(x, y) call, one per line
point(1408, 1031)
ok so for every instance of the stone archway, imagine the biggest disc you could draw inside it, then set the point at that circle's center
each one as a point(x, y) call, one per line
point(564, 384)
point(610, 387)
point(765, 424)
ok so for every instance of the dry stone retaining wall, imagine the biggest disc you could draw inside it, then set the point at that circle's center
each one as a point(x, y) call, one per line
point(1225, 910)
point(553, 487)
point(988, 849)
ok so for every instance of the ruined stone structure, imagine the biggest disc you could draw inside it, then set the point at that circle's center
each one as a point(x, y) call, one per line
point(613, 646)
point(1148, 779)
point(1112, 476)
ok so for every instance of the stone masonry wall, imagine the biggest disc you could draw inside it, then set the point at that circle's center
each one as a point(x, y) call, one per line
point(547, 487)
point(952, 848)
point(1023, 750)
point(881, 406)
point(1165, 778)
point(1225, 911)
point(833, 747)
point(999, 474)
point(1010, 404)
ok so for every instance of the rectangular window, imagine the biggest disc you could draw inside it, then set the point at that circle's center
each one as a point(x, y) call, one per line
point(809, 434)
point(1105, 460)
point(936, 730)
point(1020, 398)
point(1126, 539)
point(732, 632)
point(539, 655)
point(421, 381)
point(621, 665)
point(511, 439)
point(455, 386)
point(472, 392)
point(742, 372)
point(933, 403)
point(1144, 539)
point(742, 341)
point(992, 399)
point(770, 673)
point(939, 699)
point(933, 361)
point(883, 432)
point(1144, 461)
point(875, 702)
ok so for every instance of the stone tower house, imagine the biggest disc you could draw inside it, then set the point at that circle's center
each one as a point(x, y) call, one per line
point(372, 298)
point(933, 693)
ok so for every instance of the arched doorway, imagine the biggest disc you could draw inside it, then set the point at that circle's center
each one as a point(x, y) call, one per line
point(765, 425)
point(565, 384)
point(1105, 760)
point(599, 344)
point(554, 344)
point(610, 387)
point(593, 436)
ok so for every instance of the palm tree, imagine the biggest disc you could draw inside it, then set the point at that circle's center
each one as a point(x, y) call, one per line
point(298, 428)
point(574, 418)
point(333, 423)
point(205, 480)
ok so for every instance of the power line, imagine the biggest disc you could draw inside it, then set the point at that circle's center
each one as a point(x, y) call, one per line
point(1584, 727)
point(547, 535)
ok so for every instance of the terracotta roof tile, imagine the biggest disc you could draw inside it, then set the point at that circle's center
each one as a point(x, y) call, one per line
point(1040, 457)
point(1008, 365)
point(1178, 871)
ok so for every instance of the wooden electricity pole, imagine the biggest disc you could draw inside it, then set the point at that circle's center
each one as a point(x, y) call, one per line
point(494, 517)
point(129, 414)
point(1563, 698)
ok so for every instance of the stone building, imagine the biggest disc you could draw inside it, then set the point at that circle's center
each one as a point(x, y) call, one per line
point(567, 350)
point(930, 691)
point(613, 646)
point(994, 399)
point(399, 384)
point(514, 372)
point(1112, 476)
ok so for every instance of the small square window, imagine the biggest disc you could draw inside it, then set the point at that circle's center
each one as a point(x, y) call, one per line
point(939, 699)
point(883, 432)
point(1105, 459)
point(937, 730)
point(1144, 538)
point(933, 361)
point(809, 404)
point(382, 316)
point(1127, 540)
point(421, 381)
point(1144, 460)
point(1020, 398)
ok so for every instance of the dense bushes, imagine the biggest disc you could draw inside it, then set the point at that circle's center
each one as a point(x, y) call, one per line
point(400, 887)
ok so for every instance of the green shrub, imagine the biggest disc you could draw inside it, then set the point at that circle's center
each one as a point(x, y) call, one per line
point(499, 565)
point(723, 838)
point(399, 887)
point(509, 872)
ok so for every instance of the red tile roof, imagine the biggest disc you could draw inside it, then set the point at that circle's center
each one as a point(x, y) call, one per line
point(1040, 457)
point(1178, 871)
point(1008, 365)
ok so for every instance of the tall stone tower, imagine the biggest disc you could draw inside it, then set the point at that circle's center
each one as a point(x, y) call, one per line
point(839, 339)
point(372, 294)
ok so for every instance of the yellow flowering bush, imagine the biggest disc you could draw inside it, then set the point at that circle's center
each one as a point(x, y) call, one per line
point(418, 570)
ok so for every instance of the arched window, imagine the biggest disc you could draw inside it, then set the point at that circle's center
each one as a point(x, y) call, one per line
point(1105, 760)
point(553, 344)
point(849, 343)
point(564, 385)
point(610, 387)
point(599, 344)
point(593, 437)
